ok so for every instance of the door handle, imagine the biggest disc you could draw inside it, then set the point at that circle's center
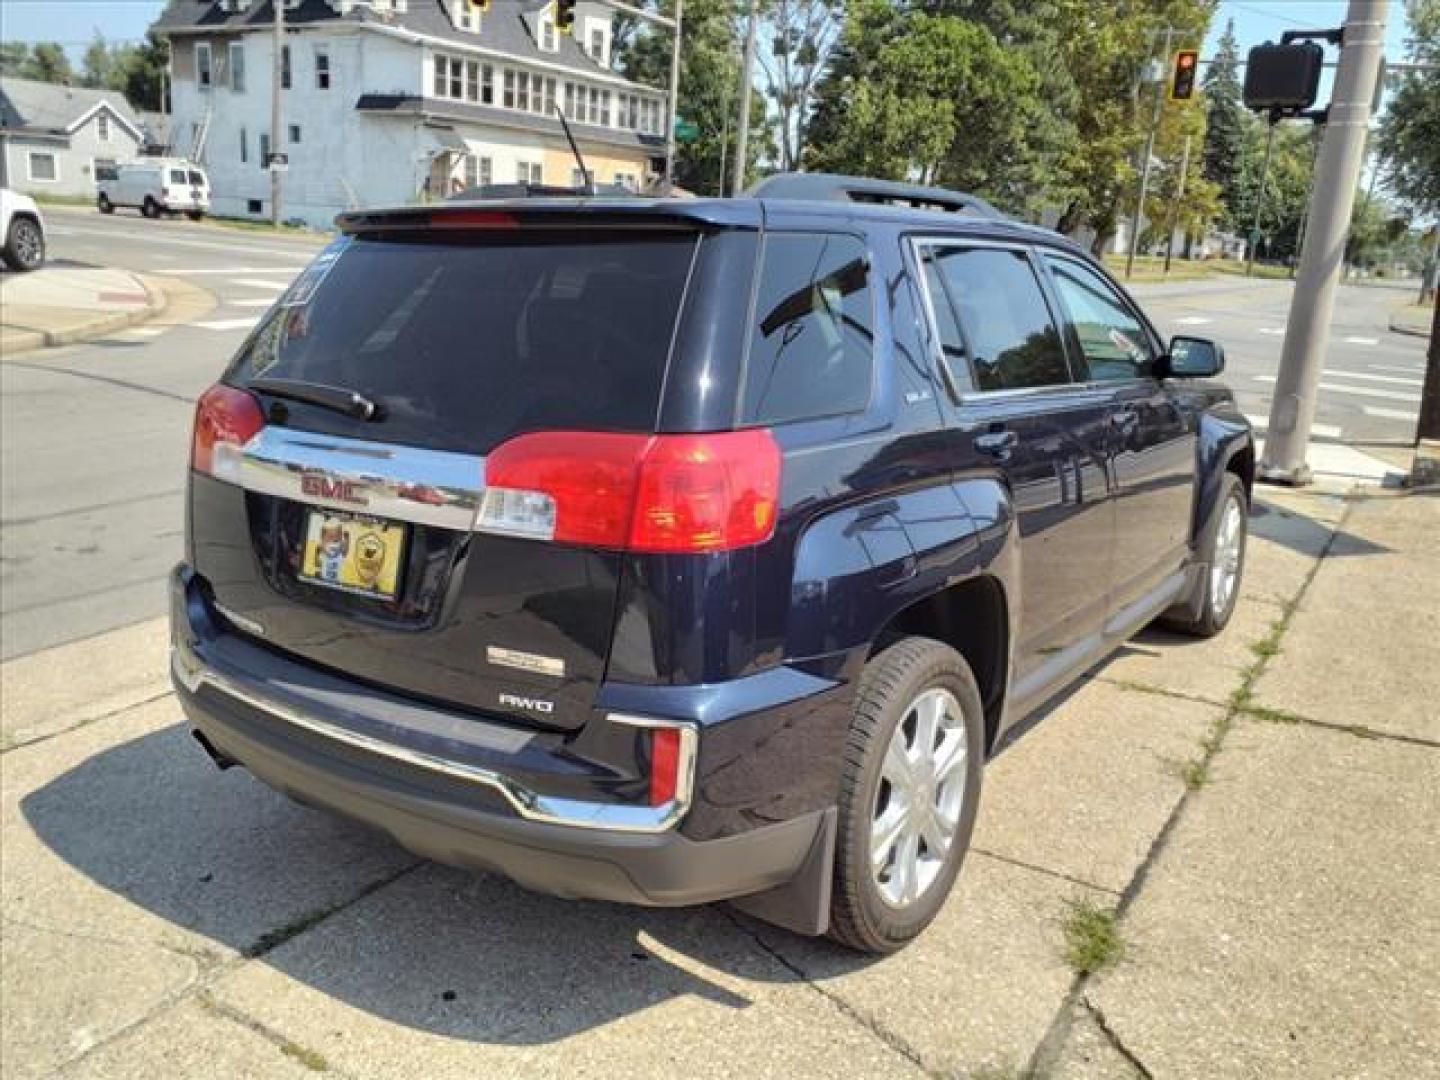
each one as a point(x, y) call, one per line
point(997, 444)
point(1126, 422)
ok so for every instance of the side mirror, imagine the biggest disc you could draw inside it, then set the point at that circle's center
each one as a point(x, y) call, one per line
point(1194, 358)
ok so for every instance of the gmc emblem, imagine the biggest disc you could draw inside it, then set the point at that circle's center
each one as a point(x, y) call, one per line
point(328, 487)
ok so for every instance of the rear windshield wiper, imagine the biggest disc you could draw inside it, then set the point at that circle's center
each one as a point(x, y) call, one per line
point(329, 397)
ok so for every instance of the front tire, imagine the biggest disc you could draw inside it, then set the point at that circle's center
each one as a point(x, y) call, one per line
point(908, 794)
point(195, 215)
point(25, 245)
point(150, 208)
point(1222, 549)
point(105, 205)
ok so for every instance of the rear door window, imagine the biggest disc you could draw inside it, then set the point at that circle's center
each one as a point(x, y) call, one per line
point(990, 307)
point(813, 339)
point(177, 176)
point(467, 339)
point(197, 178)
point(1115, 344)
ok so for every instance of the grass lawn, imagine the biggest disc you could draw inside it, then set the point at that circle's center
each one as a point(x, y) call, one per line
point(1152, 268)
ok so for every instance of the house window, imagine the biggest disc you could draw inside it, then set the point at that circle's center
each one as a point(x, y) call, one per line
point(285, 67)
point(549, 39)
point(597, 45)
point(549, 109)
point(237, 67)
point(487, 85)
point(467, 16)
point(522, 91)
point(294, 133)
point(529, 172)
point(570, 101)
point(509, 89)
point(43, 167)
point(604, 108)
point(102, 127)
point(264, 148)
point(203, 70)
point(629, 181)
point(592, 114)
point(244, 146)
point(477, 171)
point(442, 85)
point(322, 70)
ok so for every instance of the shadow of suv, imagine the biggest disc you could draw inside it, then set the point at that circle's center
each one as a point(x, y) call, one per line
point(670, 551)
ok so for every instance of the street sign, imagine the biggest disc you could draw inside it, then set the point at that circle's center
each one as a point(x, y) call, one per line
point(278, 163)
point(686, 130)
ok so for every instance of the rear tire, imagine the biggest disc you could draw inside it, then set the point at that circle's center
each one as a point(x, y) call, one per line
point(150, 208)
point(105, 205)
point(24, 245)
point(908, 794)
point(195, 215)
point(1222, 550)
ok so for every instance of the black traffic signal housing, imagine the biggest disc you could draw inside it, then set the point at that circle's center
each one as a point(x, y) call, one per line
point(565, 16)
point(1182, 75)
point(481, 6)
point(1283, 78)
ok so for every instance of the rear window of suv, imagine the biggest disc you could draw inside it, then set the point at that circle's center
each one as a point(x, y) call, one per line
point(466, 340)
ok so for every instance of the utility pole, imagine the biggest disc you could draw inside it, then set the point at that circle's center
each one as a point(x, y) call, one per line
point(1149, 151)
point(276, 112)
point(1179, 199)
point(674, 102)
point(1307, 332)
point(1260, 195)
point(747, 72)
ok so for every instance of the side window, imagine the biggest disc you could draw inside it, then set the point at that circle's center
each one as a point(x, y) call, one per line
point(811, 349)
point(989, 306)
point(1114, 343)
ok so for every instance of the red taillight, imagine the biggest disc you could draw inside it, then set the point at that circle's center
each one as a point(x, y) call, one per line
point(675, 493)
point(225, 420)
point(664, 765)
point(473, 219)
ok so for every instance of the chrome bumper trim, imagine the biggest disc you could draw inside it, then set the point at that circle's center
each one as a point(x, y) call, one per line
point(192, 673)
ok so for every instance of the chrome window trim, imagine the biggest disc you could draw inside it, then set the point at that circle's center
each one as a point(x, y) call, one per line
point(401, 483)
point(192, 673)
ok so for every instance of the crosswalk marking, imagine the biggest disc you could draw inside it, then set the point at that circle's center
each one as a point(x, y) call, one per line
point(258, 283)
point(251, 301)
point(1362, 341)
point(1395, 379)
point(1390, 414)
point(1193, 320)
point(227, 324)
point(1325, 431)
point(1354, 391)
point(1274, 331)
point(1403, 369)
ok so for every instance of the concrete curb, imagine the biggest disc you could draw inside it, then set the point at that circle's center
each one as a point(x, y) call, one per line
point(1409, 329)
point(155, 304)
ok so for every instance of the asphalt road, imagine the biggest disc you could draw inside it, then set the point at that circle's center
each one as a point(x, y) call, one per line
point(94, 438)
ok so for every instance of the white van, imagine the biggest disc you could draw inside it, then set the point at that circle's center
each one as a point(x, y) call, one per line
point(154, 186)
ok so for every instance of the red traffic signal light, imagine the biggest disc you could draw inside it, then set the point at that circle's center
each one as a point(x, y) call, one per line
point(565, 16)
point(1182, 75)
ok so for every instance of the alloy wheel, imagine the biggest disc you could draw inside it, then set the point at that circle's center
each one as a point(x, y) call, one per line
point(1225, 563)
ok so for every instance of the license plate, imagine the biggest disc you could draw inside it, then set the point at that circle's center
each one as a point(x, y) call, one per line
point(352, 553)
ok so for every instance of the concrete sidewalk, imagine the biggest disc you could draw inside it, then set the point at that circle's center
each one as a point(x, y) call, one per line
point(61, 304)
point(1413, 319)
point(1234, 841)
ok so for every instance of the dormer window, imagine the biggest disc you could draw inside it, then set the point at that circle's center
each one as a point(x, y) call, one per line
point(597, 49)
point(549, 36)
point(466, 15)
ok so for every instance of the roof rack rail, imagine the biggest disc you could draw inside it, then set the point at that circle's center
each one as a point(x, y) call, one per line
point(832, 187)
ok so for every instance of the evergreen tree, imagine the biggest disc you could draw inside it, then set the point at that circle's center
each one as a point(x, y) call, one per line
point(1228, 131)
point(47, 62)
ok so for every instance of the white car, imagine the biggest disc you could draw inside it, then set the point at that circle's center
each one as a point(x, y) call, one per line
point(154, 186)
point(23, 231)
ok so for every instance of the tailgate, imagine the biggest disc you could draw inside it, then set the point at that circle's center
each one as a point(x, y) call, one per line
point(351, 542)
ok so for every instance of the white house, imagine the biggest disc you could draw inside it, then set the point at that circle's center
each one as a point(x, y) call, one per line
point(52, 136)
point(393, 101)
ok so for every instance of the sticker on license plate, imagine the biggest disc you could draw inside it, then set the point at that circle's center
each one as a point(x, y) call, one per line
point(353, 553)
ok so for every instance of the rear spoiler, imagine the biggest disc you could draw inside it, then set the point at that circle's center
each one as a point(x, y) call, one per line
point(569, 212)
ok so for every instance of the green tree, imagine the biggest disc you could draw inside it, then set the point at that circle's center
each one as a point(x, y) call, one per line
point(47, 62)
point(709, 85)
point(98, 64)
point(12, 57)
point(1410, 129)
point(1228, 128)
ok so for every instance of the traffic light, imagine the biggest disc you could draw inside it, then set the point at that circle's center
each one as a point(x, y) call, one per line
point(481, 6)
point(1283, 78)
point(1182, 76)
point(565, 16)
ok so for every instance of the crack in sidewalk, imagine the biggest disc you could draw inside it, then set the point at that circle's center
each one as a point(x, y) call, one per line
point(1034, 869)
point(869, 1024)
point(1052, 1044)
point(1114, 1039)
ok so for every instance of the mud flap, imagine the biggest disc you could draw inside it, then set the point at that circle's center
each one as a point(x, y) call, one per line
point(802, 904)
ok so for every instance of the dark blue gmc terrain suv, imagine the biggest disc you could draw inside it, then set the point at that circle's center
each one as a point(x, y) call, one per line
point(669, 551)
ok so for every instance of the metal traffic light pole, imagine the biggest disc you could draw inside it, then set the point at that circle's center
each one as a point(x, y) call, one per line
point(1149, 151)
point(672, 97)
point(1307, 332)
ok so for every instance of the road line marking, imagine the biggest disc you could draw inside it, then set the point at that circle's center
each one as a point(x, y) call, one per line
point(1275, 331)
point(1375, 378)
point(1362, 341)
point(245, 270)
point(1354, 391)
point(157, 235)
point(1390, 414)
point(256, 283)
point(1325, 431)
point(227, 324)
point(1192, 320)
point(1411, 369)
point(258, 301)
point(145, 331)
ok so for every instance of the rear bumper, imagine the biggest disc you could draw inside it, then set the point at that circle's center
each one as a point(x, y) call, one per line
point(244, 701)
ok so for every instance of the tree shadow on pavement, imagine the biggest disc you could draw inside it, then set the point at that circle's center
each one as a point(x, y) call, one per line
point(464, 955)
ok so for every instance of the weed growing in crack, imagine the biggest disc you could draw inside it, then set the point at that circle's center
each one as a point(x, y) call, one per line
point(1092, 939)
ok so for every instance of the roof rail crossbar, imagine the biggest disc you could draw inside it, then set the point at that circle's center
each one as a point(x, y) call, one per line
point(832, 187)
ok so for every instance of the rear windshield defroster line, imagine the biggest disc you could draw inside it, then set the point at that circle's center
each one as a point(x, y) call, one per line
point(464, 340)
